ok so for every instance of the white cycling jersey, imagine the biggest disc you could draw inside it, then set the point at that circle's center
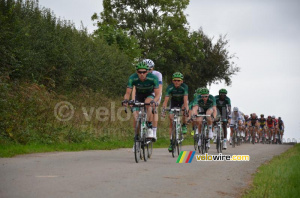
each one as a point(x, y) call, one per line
point(236, 117)
point(159, 76)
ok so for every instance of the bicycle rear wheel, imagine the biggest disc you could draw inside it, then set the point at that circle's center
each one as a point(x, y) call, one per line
point(196, 139)
point(145, 149)
point(137, 142)
point(179, 143)
point(150, 149)
point(233, 138)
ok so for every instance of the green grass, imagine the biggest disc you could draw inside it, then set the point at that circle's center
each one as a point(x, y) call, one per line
point(13, 149)
point(278, 178)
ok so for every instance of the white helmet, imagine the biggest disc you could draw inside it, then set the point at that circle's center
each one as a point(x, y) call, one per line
point(149, 62)
point(235, 109)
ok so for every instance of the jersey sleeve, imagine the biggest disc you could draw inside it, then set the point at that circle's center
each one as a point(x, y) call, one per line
point(186, 90)
point(228, 101)
point(214, 101)
point(130, 82)
point(160, 79)
point(156, 84)
point(168, 91)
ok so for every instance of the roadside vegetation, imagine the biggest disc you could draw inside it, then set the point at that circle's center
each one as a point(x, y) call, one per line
point(279, 177)
point(45, 61)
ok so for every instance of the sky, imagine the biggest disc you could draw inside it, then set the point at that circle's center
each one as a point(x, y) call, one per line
point(263, 35)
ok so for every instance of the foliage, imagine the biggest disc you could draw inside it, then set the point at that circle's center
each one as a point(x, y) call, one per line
point(163, 34)
point(38, 47)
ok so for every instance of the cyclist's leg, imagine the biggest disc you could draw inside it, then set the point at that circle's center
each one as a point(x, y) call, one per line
point(209, 122)
point(199, 124)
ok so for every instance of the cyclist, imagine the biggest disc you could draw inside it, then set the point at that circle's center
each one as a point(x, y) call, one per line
point(205, 103)
point(270, 125)
point(281, 127)
point(262, 124)
point(253, 123)
point(235, 116)
point(178, 91)
point(195, 130)
point(275, 127)
point(224, 109)
point(146, 84)
point(246, 129)
point(150, 64)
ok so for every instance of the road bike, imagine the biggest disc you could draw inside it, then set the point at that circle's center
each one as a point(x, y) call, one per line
point(177, 136)
point(220, 135)
point(143, 146)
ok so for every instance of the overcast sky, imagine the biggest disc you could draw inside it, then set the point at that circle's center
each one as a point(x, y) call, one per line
point(264, 35)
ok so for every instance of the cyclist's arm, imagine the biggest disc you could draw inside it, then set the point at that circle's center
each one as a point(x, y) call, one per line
point(127, 94)
point(185, 102)
point(160, 87)
point(133, 93)
point(195, 109)
point(166, 101)
point(215, 111)
point(157, 96)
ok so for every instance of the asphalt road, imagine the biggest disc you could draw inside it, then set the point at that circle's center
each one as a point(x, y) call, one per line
point(115, 174)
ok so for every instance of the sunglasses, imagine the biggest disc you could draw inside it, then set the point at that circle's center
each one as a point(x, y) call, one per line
point(142, 72)
point(204, 96)
point(176, 80)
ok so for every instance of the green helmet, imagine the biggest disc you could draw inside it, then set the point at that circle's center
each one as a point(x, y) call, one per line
point(222, 91)
point(141, 65)
point(198, 91)
point(204, 91)
point(177, 75)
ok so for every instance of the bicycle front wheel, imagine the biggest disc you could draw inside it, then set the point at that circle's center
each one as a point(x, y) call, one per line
point(233, 138)
point(173, 139)
point(150, 148)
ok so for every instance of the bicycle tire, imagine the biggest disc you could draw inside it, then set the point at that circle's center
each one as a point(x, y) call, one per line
point(137, 142)
point(150, 149)
point(173, 139)
point(145, 149)
point(178, 143)
point(233, 138)
point(196, 141)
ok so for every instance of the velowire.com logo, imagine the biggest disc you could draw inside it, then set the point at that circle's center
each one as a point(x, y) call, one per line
point(187, 157)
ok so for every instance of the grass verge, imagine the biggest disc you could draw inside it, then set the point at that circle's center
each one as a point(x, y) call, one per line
point(13, 149)
point(278, 178)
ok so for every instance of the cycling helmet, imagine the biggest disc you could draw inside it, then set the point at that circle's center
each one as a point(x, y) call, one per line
point(246, 116)
point(253, 115)
point(235, 109)
point(262, 115)
point(149, 62)
point(204, 91)
point(273, 117)
point(198, 91)
point(269, 116)
point(279, 118)
point(222, 91)
point(141, 65)
point(177, 75)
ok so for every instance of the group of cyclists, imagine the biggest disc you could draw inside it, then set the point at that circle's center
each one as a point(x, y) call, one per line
point(146, 86)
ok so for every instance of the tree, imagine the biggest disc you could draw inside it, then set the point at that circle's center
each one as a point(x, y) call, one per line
point(164, 36)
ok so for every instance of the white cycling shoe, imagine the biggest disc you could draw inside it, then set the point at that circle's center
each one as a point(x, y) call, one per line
point(150, 133)
point(210, 134)
point(199, 142)
point(224, 145)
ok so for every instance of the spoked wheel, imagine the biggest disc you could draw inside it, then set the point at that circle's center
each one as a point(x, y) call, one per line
point(196, 138)
point(145, 150)
point(219, 143)
point(150, 148)
point(233, 139)
point(179, 143)
point(137, 143)
point(174, 139)
point(253, 139)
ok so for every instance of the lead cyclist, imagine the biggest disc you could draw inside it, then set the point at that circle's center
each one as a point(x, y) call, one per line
point(151, 64)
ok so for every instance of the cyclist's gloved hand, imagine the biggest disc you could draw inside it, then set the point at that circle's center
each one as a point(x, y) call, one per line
point(153, 103)
point(125, 102)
